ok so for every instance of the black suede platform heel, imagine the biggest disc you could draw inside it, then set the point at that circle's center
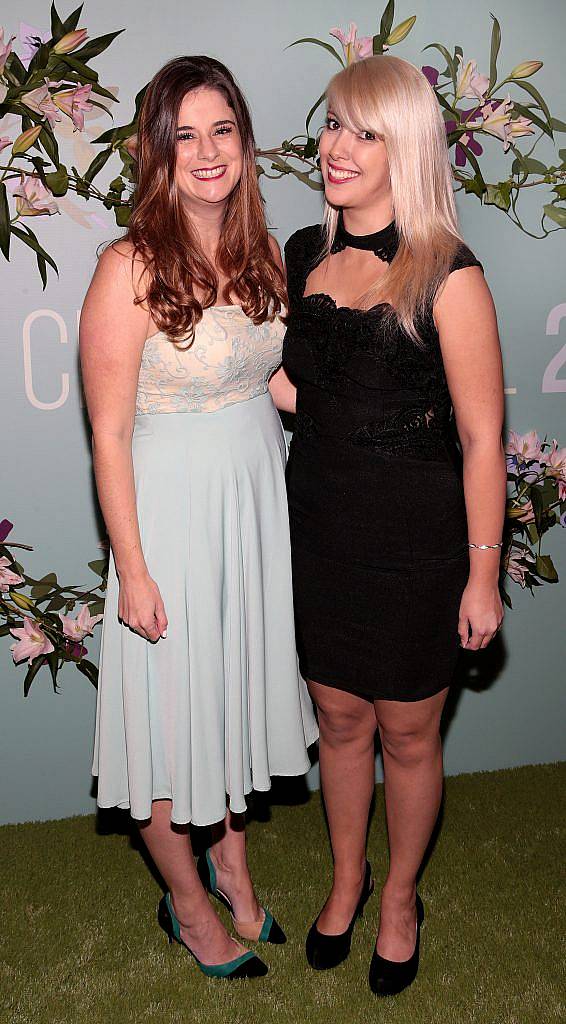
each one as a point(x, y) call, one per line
point(389, 977)
point(327, 951)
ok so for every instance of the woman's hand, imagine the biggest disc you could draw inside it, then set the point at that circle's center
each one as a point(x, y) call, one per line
point(141, 608)
point(481, 615)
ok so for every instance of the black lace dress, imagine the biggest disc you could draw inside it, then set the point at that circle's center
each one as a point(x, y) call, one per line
point(376, 502)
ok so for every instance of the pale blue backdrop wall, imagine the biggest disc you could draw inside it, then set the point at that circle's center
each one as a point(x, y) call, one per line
point(511, 712)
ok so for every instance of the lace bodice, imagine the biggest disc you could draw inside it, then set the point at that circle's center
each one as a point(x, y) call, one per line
point(359, 382)
point(230, 360)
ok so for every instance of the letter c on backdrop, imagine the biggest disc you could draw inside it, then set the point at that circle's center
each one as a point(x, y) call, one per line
point(28, 375)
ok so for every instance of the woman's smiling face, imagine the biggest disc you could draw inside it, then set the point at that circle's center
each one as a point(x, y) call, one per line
point(354, 165)
point(209, 149)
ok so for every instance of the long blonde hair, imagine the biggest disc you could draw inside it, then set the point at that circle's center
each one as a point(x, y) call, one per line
point(392, 98)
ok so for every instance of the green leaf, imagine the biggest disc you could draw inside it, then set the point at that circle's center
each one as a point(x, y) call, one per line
point(313, 111)
point(527, 112)
point(498, 195)
point(28, 238)
point(116, 135)
point(70, 23)
point(474, 163)
point(16, 68)
point(57, 27)
point(44, 585)
point(495, 44)
point(387, 20)
point(53, 662)
point(49, 143)
point(58, 181)
point(528, 87)
point(42, 267)
point(556, 213)
point(545, 569)
point(97, 164)
point(4, 222)
point(89, 670)
point(96, 46)
point(530, 165)
point(318, 42)
point(99, 566)
point(472, 185)
point(538, 507)
point(560, 191)
point(32, 672)
point(85, 73)
point(557, 125)
point(505, 597)
point(100, 91)
point(451, 66)
point(122, 215)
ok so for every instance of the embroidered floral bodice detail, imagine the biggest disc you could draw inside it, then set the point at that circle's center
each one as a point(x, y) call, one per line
point(230, 360)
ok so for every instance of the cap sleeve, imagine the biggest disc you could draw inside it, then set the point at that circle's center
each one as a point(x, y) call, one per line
point(301, 251)
point(464, 257)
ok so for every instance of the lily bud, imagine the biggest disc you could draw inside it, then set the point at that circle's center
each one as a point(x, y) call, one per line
point(401, 31)
point(526, 69)
point(70, 42)
point(26, 139)
point(21, 601)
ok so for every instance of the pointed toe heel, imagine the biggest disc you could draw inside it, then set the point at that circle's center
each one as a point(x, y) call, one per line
point(265, 929)
point(246, 966)
point(389, 977)
point(327, 951)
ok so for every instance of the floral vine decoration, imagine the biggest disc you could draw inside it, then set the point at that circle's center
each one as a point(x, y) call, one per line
point(49, 82)
point(53, 80)
point(536, 475)
point(40, 620)
point(492, 114)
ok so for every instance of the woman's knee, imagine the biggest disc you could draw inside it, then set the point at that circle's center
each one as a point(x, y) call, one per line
point(410, 743)
point(343, 718)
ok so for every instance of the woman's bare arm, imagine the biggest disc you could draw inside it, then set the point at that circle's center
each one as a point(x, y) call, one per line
point(112, 334)
point(467, 326)
point(283, 392)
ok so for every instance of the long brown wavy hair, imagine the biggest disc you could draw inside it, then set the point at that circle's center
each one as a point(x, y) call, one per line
point(161, 232)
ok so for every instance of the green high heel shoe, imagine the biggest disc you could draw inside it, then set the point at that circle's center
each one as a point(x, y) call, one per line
point(246, 966)
point(265, 929)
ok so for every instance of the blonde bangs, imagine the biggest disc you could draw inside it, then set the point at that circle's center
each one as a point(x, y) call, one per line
point(392, 98)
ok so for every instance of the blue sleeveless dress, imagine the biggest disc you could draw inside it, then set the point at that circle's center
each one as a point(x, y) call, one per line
point(218, 706)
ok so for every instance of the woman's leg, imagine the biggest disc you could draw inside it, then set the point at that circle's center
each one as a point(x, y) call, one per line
point(228, 854)
point(347, 772)
point(170, 849)
point(412, 763)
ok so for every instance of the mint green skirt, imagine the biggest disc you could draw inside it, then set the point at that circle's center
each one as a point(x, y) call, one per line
point(218, 706)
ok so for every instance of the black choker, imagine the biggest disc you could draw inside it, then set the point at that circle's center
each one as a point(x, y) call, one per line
point(383, 243)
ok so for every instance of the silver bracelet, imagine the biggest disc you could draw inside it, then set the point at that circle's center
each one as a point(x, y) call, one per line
point(485, 547)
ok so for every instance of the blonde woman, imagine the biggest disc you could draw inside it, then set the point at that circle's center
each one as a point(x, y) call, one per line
point(395, 527)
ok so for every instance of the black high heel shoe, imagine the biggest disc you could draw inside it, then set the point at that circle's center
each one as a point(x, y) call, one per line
point(246, 966)
point(326, 951)
point(389, 977)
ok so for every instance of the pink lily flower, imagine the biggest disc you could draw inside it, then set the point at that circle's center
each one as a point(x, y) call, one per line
point(513, 567)
point(556, 462)
point(354, 48)
point(41, 101)
point(516, 128)
point(33, 199)
point(4, 142)
point(77, 628)
point(7, 577)
point(30, 38)
point(524, 448)
point(5, 49)
point(32, 642)
point(73, 103)
point(471, 84)
point(71, 41)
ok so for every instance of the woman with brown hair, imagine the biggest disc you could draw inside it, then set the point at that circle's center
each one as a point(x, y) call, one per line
point(395, 527)
point(199, 698)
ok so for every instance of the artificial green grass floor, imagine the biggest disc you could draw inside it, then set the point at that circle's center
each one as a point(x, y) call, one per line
point(80, 941)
